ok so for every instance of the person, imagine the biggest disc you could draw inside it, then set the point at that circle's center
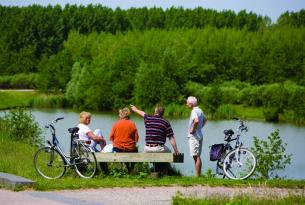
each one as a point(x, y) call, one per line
point(157, 130)
point(124, 133)
point(85, 133)
point(196, 122)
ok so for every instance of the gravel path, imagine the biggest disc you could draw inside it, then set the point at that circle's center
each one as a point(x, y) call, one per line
point(126, 196)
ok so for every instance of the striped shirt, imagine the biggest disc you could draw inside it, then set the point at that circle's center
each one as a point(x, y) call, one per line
point(157, 129)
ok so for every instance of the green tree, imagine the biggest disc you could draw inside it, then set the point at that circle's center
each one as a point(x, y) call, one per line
point(20, 125)
point(271, 156)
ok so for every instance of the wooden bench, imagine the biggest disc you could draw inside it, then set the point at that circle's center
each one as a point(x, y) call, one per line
point(139, 157)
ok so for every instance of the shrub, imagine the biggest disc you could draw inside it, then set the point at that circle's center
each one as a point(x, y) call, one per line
point(21, 126)
point(270, 155)
point(225, 112)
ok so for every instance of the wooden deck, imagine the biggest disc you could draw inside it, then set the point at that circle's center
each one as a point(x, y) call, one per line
point(139, 157)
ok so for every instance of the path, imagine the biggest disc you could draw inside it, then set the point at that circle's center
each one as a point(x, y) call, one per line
point(126, 196)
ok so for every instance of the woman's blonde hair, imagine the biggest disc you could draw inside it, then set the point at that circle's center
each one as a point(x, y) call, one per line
point(124, 113)
point(83, 115)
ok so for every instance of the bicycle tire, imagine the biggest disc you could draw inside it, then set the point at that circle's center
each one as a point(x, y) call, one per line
point(49, 163)
point(85, 164)
point(241, 169)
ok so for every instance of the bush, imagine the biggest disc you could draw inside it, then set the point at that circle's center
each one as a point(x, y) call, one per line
point(270, 155)
point(19, 81)
point(225, 112)
point(21, 126)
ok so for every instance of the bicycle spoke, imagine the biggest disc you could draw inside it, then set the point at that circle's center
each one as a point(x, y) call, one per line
point(49, 163)
point(85, 164)
point(239, 164)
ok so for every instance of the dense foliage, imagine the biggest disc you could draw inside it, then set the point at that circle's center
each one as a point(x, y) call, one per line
point(271, 156)
point(124, 68)
point(29, 34)
point(103, 59)
point(19, 125)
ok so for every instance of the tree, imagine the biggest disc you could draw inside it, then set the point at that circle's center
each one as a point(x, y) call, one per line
point(270, 155)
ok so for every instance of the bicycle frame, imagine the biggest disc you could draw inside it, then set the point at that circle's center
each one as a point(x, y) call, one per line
point(232, 153)
point(51, 161)
point(55, 144)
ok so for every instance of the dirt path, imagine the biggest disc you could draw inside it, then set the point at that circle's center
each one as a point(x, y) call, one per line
point(126, 196)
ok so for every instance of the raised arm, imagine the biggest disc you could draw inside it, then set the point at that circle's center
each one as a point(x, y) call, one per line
point(136, 110)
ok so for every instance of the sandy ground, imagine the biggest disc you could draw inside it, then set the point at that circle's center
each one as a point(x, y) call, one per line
point(126, 196)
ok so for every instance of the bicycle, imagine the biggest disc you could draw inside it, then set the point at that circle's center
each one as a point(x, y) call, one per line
point(51, 162)
point(234, 163)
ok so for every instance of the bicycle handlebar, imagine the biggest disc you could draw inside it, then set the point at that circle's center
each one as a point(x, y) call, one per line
point(57, 119)
point(54, 121)
point(242, 126)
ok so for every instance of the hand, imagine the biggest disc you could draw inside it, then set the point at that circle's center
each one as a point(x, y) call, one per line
point(191, 131)
point(133, 108)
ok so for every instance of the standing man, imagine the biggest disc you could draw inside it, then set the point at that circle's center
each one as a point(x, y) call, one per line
point(197, 121)
point(157, 130)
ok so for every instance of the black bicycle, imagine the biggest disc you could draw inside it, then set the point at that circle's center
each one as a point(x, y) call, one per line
point(51, 162)
point(234, 163)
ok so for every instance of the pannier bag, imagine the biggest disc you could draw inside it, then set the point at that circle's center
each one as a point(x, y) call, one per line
point(216, 151)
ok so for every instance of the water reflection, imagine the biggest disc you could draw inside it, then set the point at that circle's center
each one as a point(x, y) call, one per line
point(213, 133)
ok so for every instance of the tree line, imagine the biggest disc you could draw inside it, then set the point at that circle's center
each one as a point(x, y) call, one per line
point(110, 71)
point(103, 59)
point(28, 34)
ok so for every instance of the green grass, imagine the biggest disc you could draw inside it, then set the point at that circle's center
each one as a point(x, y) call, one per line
point(12, 99)
point(17, 158)
point(253, 113)
point(237, 200)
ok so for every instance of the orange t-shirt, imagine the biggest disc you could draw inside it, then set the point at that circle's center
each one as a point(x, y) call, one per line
point(124, 135)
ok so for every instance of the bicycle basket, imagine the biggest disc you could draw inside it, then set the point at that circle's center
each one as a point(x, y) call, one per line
point(216, 151)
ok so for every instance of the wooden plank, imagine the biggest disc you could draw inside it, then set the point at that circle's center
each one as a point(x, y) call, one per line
point(139, 157)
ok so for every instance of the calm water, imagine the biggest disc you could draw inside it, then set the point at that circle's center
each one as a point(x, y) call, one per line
point(213, 133)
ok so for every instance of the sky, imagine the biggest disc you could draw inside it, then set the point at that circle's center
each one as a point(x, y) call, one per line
point(270, 8)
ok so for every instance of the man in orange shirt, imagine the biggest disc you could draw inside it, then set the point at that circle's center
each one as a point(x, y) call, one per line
point(124, 133)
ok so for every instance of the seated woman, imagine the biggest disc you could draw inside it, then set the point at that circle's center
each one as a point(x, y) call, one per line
point(85, 133)
point(124, 135)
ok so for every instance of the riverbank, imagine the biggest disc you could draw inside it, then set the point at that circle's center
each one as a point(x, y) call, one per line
point(30, 98)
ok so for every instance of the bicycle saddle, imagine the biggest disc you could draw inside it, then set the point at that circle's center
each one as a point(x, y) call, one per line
point(73, 130)
point(228, 132)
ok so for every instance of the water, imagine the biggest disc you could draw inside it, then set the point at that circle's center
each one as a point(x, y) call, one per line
point(213, 133)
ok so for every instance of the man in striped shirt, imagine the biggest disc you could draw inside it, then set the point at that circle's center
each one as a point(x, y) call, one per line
point(157, 130)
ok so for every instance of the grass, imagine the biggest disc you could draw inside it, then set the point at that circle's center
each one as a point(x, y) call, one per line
point(236, 200)
point(16, 158)
point(12, 99)
point(253, 113)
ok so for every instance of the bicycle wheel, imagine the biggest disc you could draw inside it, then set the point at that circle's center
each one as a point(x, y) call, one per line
point(49, 163)
point(239, 164)
point(85, 163)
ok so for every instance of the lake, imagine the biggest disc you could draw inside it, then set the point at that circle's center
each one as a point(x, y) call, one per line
point(213, 133)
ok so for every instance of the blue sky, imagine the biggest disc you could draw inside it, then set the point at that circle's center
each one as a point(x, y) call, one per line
point(271, 8)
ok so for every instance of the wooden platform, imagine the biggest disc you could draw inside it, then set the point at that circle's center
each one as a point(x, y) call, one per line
point(139, 157)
